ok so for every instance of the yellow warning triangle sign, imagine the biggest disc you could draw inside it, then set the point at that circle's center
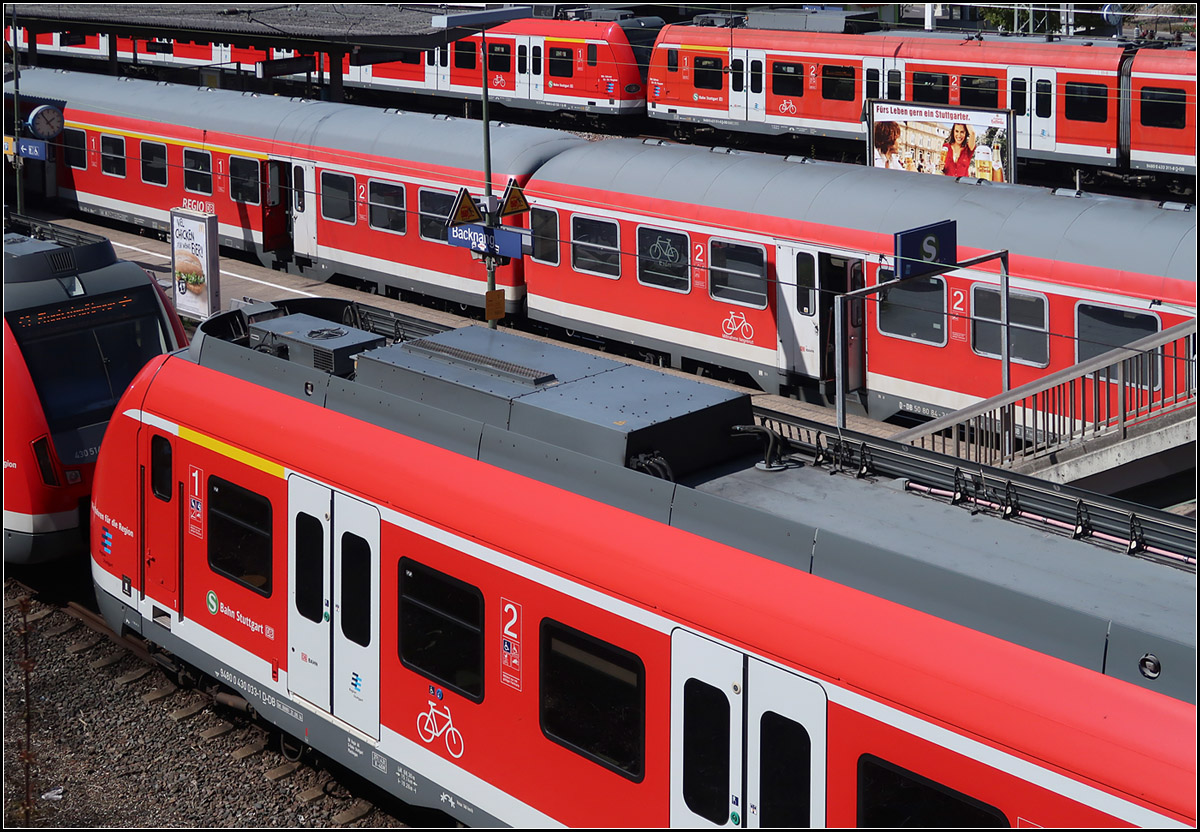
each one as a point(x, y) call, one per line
point(514, 200)
point(465, 211)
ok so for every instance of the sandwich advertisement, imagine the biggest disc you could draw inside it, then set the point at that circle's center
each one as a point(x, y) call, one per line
point(195, 264)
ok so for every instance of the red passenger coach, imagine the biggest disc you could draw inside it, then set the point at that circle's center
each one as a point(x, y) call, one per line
point(532, 586)
point(1163, 121)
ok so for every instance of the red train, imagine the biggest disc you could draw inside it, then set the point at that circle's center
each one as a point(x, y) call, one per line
point(698, 259)
point(78, 325)
point(446, 576)
point(1119, 106)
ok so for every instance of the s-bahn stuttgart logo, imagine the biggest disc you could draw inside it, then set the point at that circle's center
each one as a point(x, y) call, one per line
point(211, 602)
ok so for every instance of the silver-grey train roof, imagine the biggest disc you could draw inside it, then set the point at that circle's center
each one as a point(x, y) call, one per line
point(1102, 231)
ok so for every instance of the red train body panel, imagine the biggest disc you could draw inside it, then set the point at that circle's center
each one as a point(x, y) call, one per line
point(1021, 737)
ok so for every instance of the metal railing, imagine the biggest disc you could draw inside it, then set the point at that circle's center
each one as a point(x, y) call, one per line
point(1102, 397)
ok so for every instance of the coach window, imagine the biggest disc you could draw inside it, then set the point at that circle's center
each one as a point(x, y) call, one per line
point(385, 207)
point(310, 567)
point(890, 796)
point(537, 60)
point(706, 751)
point(871, 84)
point(895, 85)
point(931, 88)
point(1017, 94)
point(1043, 99)
point(543, 225)
point(112, 155)
point(356, 589)
point(663, 259)
point(915, 309)
point(337, 197)
point(522, 59)
point(433, 207)
point(709, 73)
point(160, 468)
point(979, 91)
point(1100, 329)
point(464, 54)
point(737, 75)
point(154, 163)
point(75, 148)
point(1164, 107)
point(560, 62)
point(591, 54)
point(239, 534)
point(1085, 102)
point(298, 187)
point(787, 79)
point(197, 171)
point(837, 83)
point(499, 57)
point(593, 698)
point(672, 60)
point(244, 182)
point(1029, 325)
point(806, 284)
point(595, 246)
point(785, 760)
point(756, 77)
point(738, 273)
point(441, 628)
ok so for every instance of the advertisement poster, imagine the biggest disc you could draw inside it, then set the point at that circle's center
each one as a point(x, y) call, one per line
point(942, 140)
point(195, 263)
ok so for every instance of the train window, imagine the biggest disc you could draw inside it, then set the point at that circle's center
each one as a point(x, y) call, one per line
point(738, 273)
point(560, 62)
point(75, 148)
point(787, 79)
point(672, 60)
point(310, 567)
point(889, 795)
point(112, 155)
point(915, 309)
point(433, 207)
point(785, 756)
point(591, 54)
point(244, 181)
point(464, 54)
point(160, 467)
point(593, 698)
point(837, 83)
point(706, 751)
point(756, 77)
point(1018, 91)
point(595, 246)
point(522, 59)
point(1043, 99)
point(430, 57)
point(385, 207)
point(239, 534)
point(895, 85)
point(1164, 107)
point(871, 84)
point(737, 75)
point(709, 73)
point(499, 57)
point(1085, 102)
point(154, 163)
point(806, 284)
point(441, 628)
point(1100, 329)
point(337, 197)
point(1029, 325)
point(663, 259)
point(979, 91)
point(537, 60)
point(931, 87)
point(197, 171)
point(356, 589)
point(298, 187)
point(543, 223)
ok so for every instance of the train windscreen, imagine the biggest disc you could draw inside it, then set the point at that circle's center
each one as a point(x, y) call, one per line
point(84, 353)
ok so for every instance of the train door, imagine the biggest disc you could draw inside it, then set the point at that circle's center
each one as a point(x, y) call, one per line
point(883, 78)
point(524, 72)
point(162, 506)
point(1043, 108)
point(304, 208)
point(333, 603)
point(798, 326)
point(835, 275)
point(748, 740)
point(747, 85)
point(277, 206)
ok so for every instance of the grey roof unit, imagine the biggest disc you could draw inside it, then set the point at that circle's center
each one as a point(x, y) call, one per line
point(595, 406)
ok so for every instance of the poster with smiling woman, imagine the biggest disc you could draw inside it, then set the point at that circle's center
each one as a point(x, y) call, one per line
point(941, 140)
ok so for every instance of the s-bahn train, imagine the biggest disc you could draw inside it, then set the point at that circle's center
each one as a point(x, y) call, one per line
point(78, 325)
point(1125, 107)
point(695, 258)
point(533, 586)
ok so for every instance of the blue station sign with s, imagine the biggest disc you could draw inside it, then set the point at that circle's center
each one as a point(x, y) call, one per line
point(926, 250)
